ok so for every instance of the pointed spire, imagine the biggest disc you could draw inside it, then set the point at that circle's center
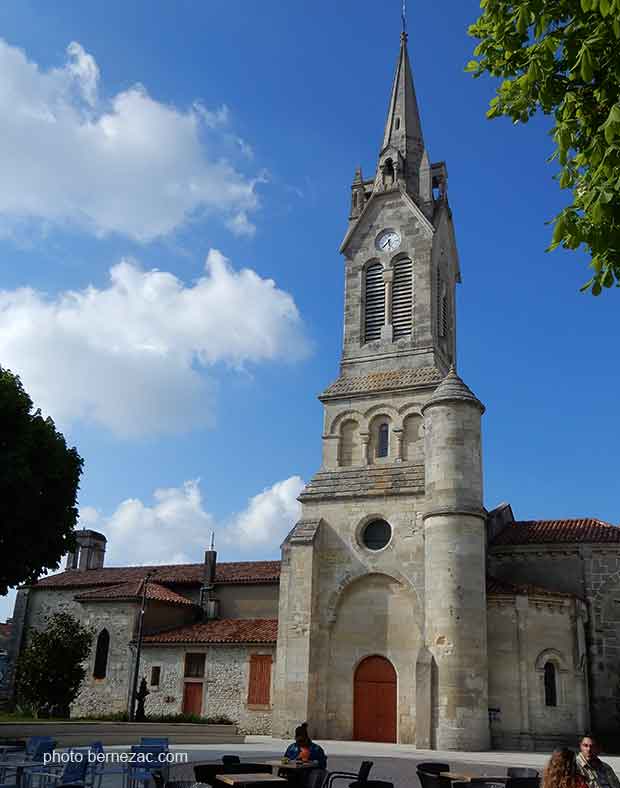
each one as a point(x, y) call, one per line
point(452, 389)
point(403, 129)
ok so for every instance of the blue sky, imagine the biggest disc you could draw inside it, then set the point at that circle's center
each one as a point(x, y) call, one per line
point(151, 135)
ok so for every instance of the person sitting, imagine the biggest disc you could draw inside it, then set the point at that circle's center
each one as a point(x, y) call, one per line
point(304, 749)
point(561, 771)
point(595, 772)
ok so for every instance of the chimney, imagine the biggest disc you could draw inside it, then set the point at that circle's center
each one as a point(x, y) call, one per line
point(208, 602)
point(89, 552)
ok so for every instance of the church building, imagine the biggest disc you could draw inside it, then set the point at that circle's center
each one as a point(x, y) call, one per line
point(401, 610)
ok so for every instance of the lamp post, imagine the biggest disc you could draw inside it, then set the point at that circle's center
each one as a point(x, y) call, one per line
point(136, 669)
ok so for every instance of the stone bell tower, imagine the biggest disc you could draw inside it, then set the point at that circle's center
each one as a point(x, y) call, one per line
point(382, 618)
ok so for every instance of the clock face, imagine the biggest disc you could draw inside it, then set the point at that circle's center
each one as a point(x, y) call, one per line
point(388, 241)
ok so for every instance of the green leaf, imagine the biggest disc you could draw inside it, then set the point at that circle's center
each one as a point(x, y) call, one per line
point(472, 66)
point(585, 6)
point(607, 279)
point(616, 27)
point(596, 288)
point(604, 7)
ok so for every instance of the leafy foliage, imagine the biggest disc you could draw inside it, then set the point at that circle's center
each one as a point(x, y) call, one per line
point(562, 57)
point(50, 669)
point(39, 480)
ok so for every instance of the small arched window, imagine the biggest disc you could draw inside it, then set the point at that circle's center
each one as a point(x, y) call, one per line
point(551, 690)
point(349, 443)
point(388, 173)
point(383, 440)
point(374, 307)
point(101, 655)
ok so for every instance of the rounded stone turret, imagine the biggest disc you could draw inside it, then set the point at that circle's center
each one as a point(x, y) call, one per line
point(455, 570)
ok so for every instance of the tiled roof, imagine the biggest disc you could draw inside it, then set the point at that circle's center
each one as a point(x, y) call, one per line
point(225, 630)
point(381, 381)
point(495, 586)
point(134, 590)
point(587, 530)
point(173, 574)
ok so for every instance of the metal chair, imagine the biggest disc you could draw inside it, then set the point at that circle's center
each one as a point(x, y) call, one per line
point(522, 782)
point(360, 779)
point(521, 771)
point(142, 774)
point(147, 741)
point(227, 759)
point(73, 773)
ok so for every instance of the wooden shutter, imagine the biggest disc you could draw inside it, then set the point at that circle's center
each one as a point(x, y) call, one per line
point(259, 687)
point(374, 304)
point(402, 299)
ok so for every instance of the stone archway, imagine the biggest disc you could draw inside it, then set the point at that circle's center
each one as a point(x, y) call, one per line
point(375, 701)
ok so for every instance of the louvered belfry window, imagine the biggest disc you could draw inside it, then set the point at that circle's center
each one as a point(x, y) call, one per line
point(374, 302)
point(402, 299)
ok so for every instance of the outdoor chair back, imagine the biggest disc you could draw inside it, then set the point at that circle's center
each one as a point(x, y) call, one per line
point(226, 759)
point(148, 741)
point(315, 778)
point(521, 771)
point(38, 746)
point(76, 770)
point(360, 779)
point(433, 767)
point(522, 782)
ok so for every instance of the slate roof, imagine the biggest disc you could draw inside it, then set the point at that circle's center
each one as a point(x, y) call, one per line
point(225, 630)
point(263, 572)
point(583, 530)
point(383, 381)
point(132, 591)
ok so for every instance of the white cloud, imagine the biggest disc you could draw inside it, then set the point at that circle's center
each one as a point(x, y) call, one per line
point(268, 518)
point(132, 356)
point(130, 165)
point(176, 528)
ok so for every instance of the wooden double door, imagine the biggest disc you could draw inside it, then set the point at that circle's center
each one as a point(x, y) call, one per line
point(375, 701)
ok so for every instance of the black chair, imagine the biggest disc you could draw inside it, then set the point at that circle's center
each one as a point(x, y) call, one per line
point(522, 782)
point(429, 774)
point(521, 771)
point(228, 759)
point(360, 779)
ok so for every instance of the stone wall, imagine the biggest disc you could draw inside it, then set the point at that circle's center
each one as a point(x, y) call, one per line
point(593, 573)
point(523, 634)
point(97, 696)
point(225, 685)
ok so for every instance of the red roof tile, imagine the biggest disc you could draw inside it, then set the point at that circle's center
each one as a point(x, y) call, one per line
point(226, 630)
point(132, 591)
point(588, 530)
point(173, 574)
point(495, 586)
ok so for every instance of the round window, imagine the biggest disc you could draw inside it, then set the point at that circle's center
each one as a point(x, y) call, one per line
point(376, 535)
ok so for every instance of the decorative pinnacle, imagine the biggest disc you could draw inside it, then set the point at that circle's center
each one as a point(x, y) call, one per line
point(212, 540)
point(403, 35)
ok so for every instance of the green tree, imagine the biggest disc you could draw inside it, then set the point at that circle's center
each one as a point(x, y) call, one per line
point(39, 480)
point(562, 57)
point(50, 669)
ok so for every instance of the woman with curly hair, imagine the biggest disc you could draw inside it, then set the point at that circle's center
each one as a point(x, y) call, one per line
point(561, 771)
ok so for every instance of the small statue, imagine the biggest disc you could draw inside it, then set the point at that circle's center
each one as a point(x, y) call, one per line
point(141, 697)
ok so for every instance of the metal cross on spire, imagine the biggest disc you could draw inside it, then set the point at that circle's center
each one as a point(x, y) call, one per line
point(404, 16)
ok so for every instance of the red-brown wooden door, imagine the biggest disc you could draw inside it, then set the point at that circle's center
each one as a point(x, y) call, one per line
point(192, 697)
point(374, 701)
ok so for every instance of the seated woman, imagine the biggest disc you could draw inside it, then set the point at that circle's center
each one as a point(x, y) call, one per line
point(562, 772)
point(304, 749)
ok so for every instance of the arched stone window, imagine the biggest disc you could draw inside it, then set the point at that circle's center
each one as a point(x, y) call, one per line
point(101, 655)
point(413, 442)
point(349, 443)
point(374, 302)
point(383, 440)
point(388, 173)
point(551, 687)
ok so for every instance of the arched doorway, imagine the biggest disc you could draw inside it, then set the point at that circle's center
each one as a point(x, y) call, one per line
point(374, 701)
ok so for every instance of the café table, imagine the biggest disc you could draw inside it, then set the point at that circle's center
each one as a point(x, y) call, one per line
point(291, 765)
point(238, 780)
point(19, 767)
